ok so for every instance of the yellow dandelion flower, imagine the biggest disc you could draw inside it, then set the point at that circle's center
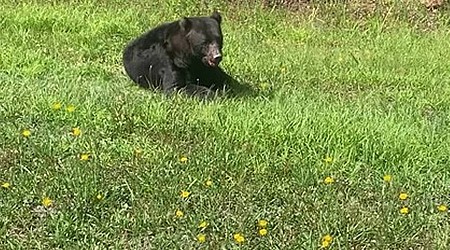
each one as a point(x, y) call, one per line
point(183, 159)
point(56, 106)
point(179, 213)
point(387, 178)
point(99, 197)
point(262, 223)
point(239, 238)
point(328, 160)
point(325, 244)
point(76, 132)
point(262, 232)
point(442, 208)
point(328, 180)
point(185, 194)
point(403, 196)
point(201, 238)
point(327, 237)
point(203, 224)
point(47, 202)
point(404, 210)
point(6, 185)
point(84, 157)
point(70, 108)
point(138, 152)
point(208, 183)
point(265, 86)
point(26, 133)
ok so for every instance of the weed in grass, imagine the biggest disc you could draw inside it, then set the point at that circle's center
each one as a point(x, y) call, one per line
point(85, 156)
point(326, 241)
point(183, 159)
point(328, 180)
point(239, 238)
point(262, 232)
point(404, 210)
point(185, 194)
point(47, 202)
point(26, 133)
point(442, 208)
point(208, 183)
point(76, 132)
point(6, 185)
point(262, 223)
point(203, 225)
point(70, 108)
point(100, 197)
point(201, 238)
point(403, 196)
point(179, 213)
point(56, 106)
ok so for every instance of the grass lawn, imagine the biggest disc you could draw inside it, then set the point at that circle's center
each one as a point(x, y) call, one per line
point(346, 134)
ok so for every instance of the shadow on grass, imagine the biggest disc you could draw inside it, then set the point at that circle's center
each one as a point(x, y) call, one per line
point(239, 89)
point(232, 88)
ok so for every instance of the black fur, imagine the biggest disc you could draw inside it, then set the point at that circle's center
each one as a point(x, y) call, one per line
point(181, 55)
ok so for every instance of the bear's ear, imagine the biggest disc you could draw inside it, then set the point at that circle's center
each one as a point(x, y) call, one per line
point(185, 24)
point(216, 15)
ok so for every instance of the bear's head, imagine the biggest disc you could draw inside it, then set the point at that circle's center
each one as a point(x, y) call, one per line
point(197, 39)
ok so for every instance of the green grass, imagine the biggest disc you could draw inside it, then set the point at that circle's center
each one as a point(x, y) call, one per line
point(373, 95)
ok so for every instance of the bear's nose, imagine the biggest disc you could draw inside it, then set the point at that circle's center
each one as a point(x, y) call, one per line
point(217, 58)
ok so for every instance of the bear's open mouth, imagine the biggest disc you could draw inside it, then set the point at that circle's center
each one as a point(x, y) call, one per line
point(212, 63)
point(209, 62)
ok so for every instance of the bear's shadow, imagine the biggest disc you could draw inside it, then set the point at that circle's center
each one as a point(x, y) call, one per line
point(238, 89)
point(232, 89)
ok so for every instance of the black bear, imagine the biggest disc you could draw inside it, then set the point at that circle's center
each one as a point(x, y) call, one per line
point(181, 55)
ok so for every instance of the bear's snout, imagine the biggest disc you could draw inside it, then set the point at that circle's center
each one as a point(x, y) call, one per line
point(213, 55)
point(216, 59)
